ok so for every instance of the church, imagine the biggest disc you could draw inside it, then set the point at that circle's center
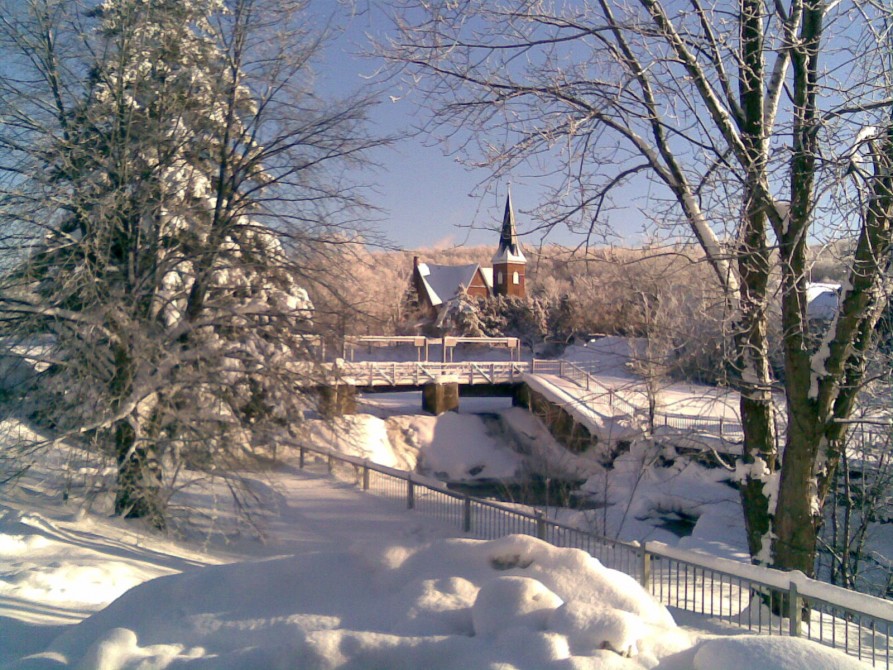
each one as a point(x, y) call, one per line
point(437, 285)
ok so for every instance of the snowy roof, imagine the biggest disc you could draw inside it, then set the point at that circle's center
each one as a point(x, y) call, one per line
point(821, 300)
point(442, 282)
point(509, 250)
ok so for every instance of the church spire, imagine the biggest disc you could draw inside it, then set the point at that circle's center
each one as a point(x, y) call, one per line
point(509, 250)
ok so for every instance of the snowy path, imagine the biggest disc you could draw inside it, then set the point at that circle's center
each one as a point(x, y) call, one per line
point(59, 565)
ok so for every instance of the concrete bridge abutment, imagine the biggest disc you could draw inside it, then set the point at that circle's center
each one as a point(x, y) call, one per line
point(441, 396)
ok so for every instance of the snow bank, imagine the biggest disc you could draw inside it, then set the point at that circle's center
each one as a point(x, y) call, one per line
point(454, 447)
point(445, 604)
point(360, 435)
point(450, 447)
point(771, 653)
point(543, 453)
point(351, 581)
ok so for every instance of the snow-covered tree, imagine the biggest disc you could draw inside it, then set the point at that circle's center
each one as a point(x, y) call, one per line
point(750, 127)
point(177, 166)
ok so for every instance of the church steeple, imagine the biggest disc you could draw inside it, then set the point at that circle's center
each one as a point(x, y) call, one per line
point(509, 260)
point(509, 250)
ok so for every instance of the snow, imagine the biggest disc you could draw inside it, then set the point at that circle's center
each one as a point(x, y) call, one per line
point(327, 577)
point(451, 447)
point(769, 653)
point(821, 300)
point(337, 579)
point(645, 491)
point(443, 604)
point(442, 282)
point(360, 435)
point(454, 447)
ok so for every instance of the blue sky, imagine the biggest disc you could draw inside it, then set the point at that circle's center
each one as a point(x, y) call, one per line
point(430, 199)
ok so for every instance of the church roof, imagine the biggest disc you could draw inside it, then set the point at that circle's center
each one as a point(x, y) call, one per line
point(442, 282)
point(509, 250)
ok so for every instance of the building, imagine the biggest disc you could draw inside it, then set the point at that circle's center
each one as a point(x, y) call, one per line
point(508, 261)
point(437, 285)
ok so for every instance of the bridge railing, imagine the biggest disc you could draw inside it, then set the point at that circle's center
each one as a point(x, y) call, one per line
point(725, 428)
point(758, 599)
point(371, 373)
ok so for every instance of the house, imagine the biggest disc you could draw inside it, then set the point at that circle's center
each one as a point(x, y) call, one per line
point(821, 300)
point(437, 285)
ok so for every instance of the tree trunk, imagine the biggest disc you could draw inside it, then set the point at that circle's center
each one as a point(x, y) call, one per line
point(796, 522)
point(139, 478)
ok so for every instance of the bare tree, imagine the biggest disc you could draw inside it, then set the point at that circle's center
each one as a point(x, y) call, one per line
point(761, 126)
point(859, 503)
point(170, 171)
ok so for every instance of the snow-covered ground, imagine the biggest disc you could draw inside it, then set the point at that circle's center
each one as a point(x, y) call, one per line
point(323, 576)
point(647, 494)
point(328, 577)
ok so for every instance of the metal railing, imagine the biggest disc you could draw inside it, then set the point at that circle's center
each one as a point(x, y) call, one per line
point(373, 373)
point(758, 599)
point(725, 428)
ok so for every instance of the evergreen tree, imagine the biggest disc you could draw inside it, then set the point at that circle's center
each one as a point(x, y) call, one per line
point(177, 319)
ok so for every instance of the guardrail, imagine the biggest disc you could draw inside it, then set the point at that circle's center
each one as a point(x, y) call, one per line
point(371, 373)
point(758, 599)
point(728, 429)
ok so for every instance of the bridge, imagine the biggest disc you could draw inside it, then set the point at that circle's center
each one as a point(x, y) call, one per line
point(608, 408)
point(408, 374)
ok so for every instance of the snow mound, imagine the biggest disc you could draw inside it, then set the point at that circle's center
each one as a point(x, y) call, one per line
point(593, 627)
point(457, 447)
point(771, 653)
point(443, 604)
point(509, 602)
point(451, 447)
point(362, 436)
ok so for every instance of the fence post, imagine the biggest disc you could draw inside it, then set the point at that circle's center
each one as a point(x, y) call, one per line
point(795, 614)
point(330, 462)
point(410, 493)
point(302, 457)
point(720, 425)
point(466, 515)
point(366, 475)
point(645, 579)
point(540, 525)
point(561, 368)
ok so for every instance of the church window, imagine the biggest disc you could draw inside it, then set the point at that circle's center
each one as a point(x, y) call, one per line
point(498, 277)
point(516, 278)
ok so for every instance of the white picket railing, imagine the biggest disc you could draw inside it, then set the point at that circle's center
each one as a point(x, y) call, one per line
point(727, 429)
point(372, 373)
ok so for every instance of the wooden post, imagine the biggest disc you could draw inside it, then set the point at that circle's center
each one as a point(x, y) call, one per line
point(540, 526)
point(410, 493)
point(302, 457)
point(365, 475)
